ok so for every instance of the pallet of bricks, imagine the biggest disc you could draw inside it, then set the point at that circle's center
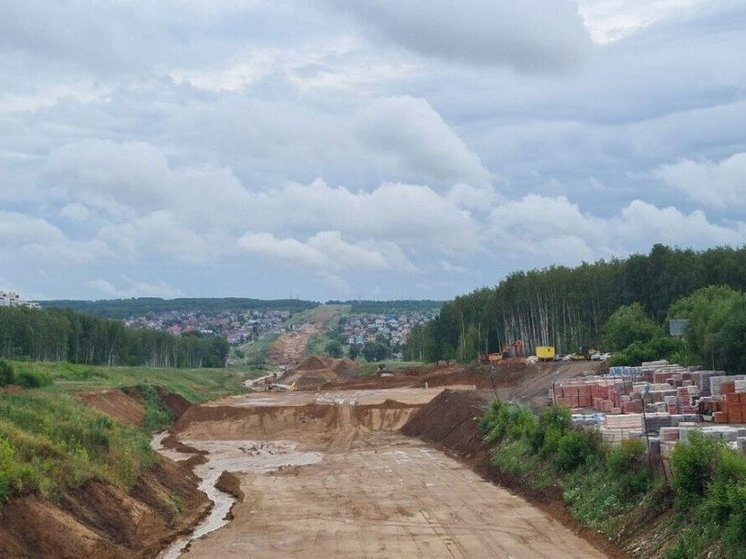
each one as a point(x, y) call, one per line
point(727, 404)
point(733, 437)
point(578, 392)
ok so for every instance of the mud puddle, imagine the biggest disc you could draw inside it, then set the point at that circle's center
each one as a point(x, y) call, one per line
point(259, 457)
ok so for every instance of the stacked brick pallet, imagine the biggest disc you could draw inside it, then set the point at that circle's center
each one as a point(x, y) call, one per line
point(728, 401)
point(734, 437)
point(621, 395)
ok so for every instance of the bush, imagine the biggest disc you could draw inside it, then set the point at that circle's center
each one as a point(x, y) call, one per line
point(34, 379)
point(694, 465)
point(7, 374)
point(578, 448)
point(625, 463)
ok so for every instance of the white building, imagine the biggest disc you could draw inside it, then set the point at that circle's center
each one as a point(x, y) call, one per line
point(13, 299)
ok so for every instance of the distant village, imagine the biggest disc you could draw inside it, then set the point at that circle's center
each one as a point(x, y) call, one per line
point(361, 328)
point(238, 327)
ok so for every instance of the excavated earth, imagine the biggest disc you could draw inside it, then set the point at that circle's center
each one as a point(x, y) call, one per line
point(99, 519)
point(331, 474)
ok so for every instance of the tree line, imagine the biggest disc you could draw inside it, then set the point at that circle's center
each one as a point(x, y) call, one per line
point(140, 306)
point(67, 335)
point(569, 307)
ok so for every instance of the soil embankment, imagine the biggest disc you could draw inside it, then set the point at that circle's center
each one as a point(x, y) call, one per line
point(99, 519)
point(102, 520)
point(450, 422)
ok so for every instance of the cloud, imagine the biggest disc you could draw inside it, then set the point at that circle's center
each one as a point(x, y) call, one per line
point(612, 20)
point(536, 35)
point(719, 185)
point(555, 229)
point(413, 133)
point(29, 238)
point(324, 250)
point(132, 288)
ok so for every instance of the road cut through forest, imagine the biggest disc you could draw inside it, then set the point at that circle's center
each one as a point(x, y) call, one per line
point(329, 474)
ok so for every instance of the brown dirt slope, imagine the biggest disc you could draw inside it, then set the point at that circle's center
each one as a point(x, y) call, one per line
point(512, 379)
point(315, 371)
point(116, 404)
point(451, 423)
point(101, 520)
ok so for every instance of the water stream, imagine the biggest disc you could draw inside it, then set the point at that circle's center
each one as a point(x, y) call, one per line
point(241, 456)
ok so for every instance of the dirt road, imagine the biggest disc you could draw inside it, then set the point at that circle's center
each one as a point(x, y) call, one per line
point(369, 491)
point(289, 348)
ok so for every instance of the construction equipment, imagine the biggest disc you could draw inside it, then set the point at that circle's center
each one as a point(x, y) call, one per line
point(513, 349)
point(545, 352)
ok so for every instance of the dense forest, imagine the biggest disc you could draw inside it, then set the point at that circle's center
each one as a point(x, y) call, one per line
point(125, 308)
point(569, 307)
point(67, 335)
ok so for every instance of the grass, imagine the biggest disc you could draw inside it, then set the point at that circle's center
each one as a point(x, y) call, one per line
point(50, 441)
point(256, 352)
point(196, 385)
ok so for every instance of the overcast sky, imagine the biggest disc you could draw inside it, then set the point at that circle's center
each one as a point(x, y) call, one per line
point(350, 148)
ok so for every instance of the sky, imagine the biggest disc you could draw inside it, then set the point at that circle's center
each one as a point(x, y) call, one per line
point(344, 149)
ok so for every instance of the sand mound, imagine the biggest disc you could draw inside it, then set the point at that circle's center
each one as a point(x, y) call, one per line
point(317, 371)
point(451, 421)
point(313, 363)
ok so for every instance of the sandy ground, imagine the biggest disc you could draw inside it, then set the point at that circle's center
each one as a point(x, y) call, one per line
point(369, 492)
point(363, 397)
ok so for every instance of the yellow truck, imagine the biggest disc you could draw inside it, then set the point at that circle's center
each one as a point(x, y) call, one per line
point(545, 352)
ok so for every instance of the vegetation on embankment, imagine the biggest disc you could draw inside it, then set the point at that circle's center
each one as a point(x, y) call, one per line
point(570, 308)
point(700, 512)
point(66, 335)
point(50, 441)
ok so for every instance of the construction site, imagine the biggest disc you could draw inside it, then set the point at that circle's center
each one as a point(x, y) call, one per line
point(384, 466)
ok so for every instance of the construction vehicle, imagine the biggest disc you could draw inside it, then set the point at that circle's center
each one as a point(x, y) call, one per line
point(513, 349)
point(545, 352)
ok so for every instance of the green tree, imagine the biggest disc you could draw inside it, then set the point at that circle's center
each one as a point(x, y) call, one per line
point(375, 351)
point(731, 340)
point(353, 352)
point(334, 349)
point(707, 309)
point(627, 325)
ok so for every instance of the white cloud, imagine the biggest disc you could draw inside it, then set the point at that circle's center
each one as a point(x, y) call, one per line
point(75, 211)
point(324, 250)
point(133, 288)
point(528, 35)
point(29, 238)
point(555, 229)
point(612, 20)
point(414, 134)
point(719, 185)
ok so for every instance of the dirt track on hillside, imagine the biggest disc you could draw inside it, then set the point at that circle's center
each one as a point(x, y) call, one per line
point(290, 348)
point(372, 493)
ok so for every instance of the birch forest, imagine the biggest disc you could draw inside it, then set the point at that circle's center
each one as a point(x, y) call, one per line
point(568, 307)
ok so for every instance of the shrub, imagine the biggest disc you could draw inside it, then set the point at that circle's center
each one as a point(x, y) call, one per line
point(625, 463)
point(7, 374)
point(694, 465)
point(34, 379)
point(577, 448)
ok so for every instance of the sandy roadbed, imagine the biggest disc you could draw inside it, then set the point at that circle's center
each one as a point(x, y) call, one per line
point(373, 493)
